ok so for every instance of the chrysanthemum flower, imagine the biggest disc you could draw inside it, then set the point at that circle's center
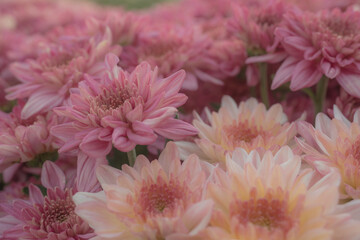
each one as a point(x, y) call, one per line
point(60, 64)
point(225, 56)
point(52, 217)
point(163, 199)
point(25, 140)
point(335, 143)
point(347, 104)
point(324, 43)
point(247, 125)
point(122, 110)
point(170, 47)
point(270, 198)
point(255, 25)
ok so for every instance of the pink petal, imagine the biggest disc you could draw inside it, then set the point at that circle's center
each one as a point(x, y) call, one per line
point(176, 129)
point(198, 216)
point(304, 75)
point(41, 101)
point(252, 75)
point(107, 175)
point(285, 72)
point(329, 70)
point(35, 194)
point(93, 146)
point(141, 134)
point(168, 156)
point(121, 141)
point(350, 82)
point(171, 85)
point(268, 58)
point(190, 82)
point(52, 176)
point(86, 180)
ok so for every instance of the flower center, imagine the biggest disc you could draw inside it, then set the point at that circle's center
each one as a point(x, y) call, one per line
point(57, 60)
point(341, 27)
point(268, 213)
point(114, 98)
point(160, 197)
point(241, 132)
point(268, 19)
point(111, 100)
point(57, 211)
point(354, 150)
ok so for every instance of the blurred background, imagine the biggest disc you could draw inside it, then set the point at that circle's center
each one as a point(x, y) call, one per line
point(131, 4)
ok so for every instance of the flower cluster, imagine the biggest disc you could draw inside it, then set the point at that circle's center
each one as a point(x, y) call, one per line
point(190, 120)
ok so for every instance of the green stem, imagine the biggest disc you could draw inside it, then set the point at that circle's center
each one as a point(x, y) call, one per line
point(320, 97)
point(131, 157)
point(264, 91)
point(253, 92)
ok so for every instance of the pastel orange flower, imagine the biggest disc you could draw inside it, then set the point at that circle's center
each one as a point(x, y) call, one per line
point(334, 143)
point(163, 199)
point(247, 125)
point(271, 198)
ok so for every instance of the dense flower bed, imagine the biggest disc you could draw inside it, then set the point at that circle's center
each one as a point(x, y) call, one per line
point(197, 119)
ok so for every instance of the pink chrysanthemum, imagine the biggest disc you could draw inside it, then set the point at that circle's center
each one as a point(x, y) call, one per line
point(60, 64)
point(170, 47)
point(247, 125)
point(51, 217)
point(158, 200)
point(325, 43)
point(25, 140)
point(335, 143)
point(347, 104)
point(122, 110)
point(256, 26)
point(270, 198)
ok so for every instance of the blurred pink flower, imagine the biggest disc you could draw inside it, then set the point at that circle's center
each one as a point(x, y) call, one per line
point(255, 25)
point(122, 110)
point(270, 198)
point(158, 200)
point(347, 105)
point(61, 63)
point(170, 47)
point(52, 216)
point(324, 43)
point(334, 143)
point(25, 140)
point(298, 106)
point(247, 125)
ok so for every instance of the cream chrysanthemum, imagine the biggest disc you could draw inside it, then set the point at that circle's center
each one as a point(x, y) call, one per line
point(335, 143)
point(271, 198)
point(163, 199)
point(247, 125)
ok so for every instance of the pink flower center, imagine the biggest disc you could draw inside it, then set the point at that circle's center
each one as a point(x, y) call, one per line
point(269, 213)
point(57, 211)
point(113, 99)
point(267, 19)
point(57, 60)
point(354, 150)
point(242, 132)
point(160, 48)
point(55, 218)
point(161, 197)
point(340, 27)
